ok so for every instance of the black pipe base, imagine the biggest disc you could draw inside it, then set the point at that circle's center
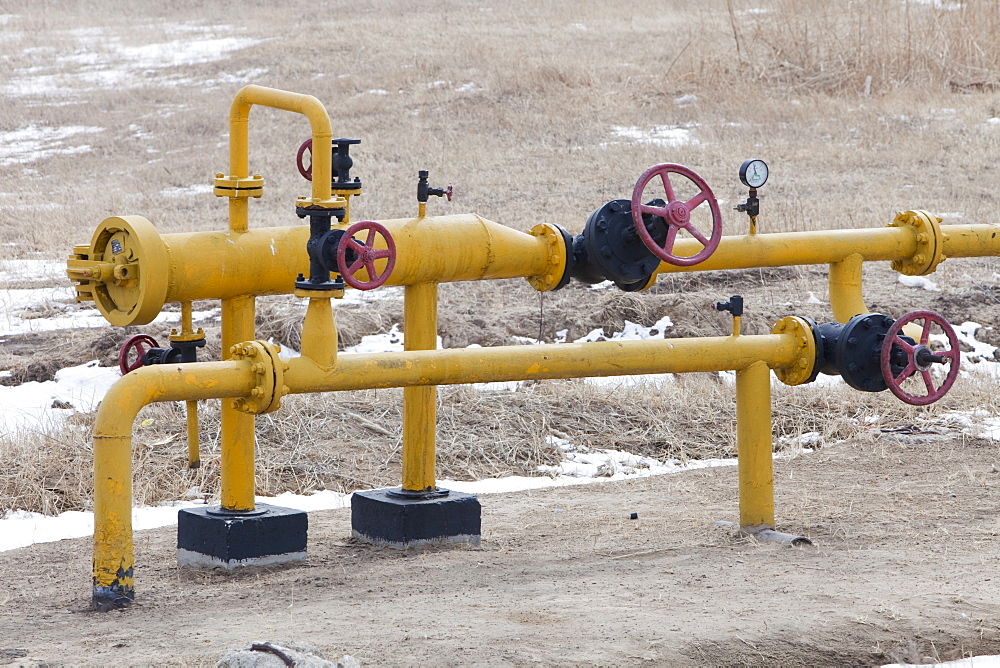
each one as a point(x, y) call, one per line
point(211, 537)
point(390, 519)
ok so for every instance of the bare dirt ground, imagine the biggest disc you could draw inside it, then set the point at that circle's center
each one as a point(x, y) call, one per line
point(904, 568)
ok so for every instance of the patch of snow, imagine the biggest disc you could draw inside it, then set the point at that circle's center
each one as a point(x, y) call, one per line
point(469, 87)
point(659, 135)
point(685, 100)
point(19, 528)
point(945, 5)
point(189, 191)
point(813, 299)
point(378, 91)
point(27, 406)
point(390, 342)
point(919, 282)
point(33, 142)
point(631, 332)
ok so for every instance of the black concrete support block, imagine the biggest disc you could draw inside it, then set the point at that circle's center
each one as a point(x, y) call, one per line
point(209, 538)
point(379, 517)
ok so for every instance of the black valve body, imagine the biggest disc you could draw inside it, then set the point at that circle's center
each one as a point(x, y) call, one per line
point(853, 351)
point(610, 249)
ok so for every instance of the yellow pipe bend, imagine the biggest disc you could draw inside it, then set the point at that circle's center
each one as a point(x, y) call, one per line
point(113, 552)
point(309, 106)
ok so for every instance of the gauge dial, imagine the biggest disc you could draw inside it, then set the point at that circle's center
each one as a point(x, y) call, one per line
point(753, 173)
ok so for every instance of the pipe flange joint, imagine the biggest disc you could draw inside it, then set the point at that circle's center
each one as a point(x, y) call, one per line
point(800, 369)
point(314, 204)
point(236, 187)
point(269, 372)
point(558, 256)
point(929, 251)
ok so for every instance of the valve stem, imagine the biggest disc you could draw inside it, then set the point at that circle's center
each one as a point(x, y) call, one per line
point(734, 306)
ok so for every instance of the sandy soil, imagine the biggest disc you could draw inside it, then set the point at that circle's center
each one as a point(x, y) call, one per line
point(903, 568)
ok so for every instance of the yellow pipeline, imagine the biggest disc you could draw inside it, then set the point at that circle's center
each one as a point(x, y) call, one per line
point(785, 249)
point(562, 360)
point(419, 403)
point(754, 452)
point(113, 557)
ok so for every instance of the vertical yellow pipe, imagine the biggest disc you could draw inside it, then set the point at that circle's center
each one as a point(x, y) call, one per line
point(753, 436)
point(846, 300)
point(419, 403)
point(194, 443)
point(113, 550)
point(237, 476)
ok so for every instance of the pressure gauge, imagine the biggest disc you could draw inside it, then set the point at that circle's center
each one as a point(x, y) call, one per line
point(753, 173)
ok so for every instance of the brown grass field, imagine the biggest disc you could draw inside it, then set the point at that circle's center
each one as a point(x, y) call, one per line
point(531, 110)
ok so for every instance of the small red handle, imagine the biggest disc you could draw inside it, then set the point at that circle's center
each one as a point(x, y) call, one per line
point(138, 344)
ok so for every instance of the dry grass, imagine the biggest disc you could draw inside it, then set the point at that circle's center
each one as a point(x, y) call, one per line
point(517, 104)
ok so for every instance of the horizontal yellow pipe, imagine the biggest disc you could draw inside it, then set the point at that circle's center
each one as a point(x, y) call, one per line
point(971, 240)
point(262, 261)
point(784, 249)
point(563, 360)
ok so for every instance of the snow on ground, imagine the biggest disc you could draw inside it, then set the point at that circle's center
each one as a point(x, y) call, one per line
point(670, 136)
point(32, 142)
point(89, 58)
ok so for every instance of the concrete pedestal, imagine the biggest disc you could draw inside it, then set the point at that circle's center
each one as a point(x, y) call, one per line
point(211, 537)
point(386, 517)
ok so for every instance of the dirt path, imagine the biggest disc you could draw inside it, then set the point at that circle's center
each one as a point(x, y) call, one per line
point(904, 568)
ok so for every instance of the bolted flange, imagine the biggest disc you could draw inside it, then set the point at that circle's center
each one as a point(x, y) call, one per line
point(930, 243)
point(558, 245)
point(800, 370)
point(269, 371)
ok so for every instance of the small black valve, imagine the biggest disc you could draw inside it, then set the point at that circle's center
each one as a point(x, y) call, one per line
point(752, 206)
point(342, 163)
point(424, 191)
point(734, 306)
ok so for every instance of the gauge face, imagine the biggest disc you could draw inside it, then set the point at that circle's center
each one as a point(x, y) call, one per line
point(753, 173)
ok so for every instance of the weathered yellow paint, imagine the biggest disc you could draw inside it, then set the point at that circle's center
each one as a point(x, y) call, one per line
point(237, 436)
point(846, 300)
point(419, 402)
point(113, 452)
point(753, 435)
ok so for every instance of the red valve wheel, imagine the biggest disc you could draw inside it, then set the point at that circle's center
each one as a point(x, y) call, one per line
point(306, 172)
point(919, 358)
point(677, 214)
point(364, 255)
point(138, 344)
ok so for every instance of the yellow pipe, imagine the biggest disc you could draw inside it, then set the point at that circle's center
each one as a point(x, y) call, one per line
point(113, 554)
point(784, 249)
point(263, 261)
point(971, 240)
point(194, 442)
point(319, 333)
point(237, 428)
point(753, 435)
point(562, 360)
point(846, 300)
point(419, 403)
point(309, 106)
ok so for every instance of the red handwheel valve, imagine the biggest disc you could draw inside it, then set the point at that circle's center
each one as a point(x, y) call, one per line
point(306, 172)
point(354, 255)
point(918, 358)
point(137, 346)
point(677, 215)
